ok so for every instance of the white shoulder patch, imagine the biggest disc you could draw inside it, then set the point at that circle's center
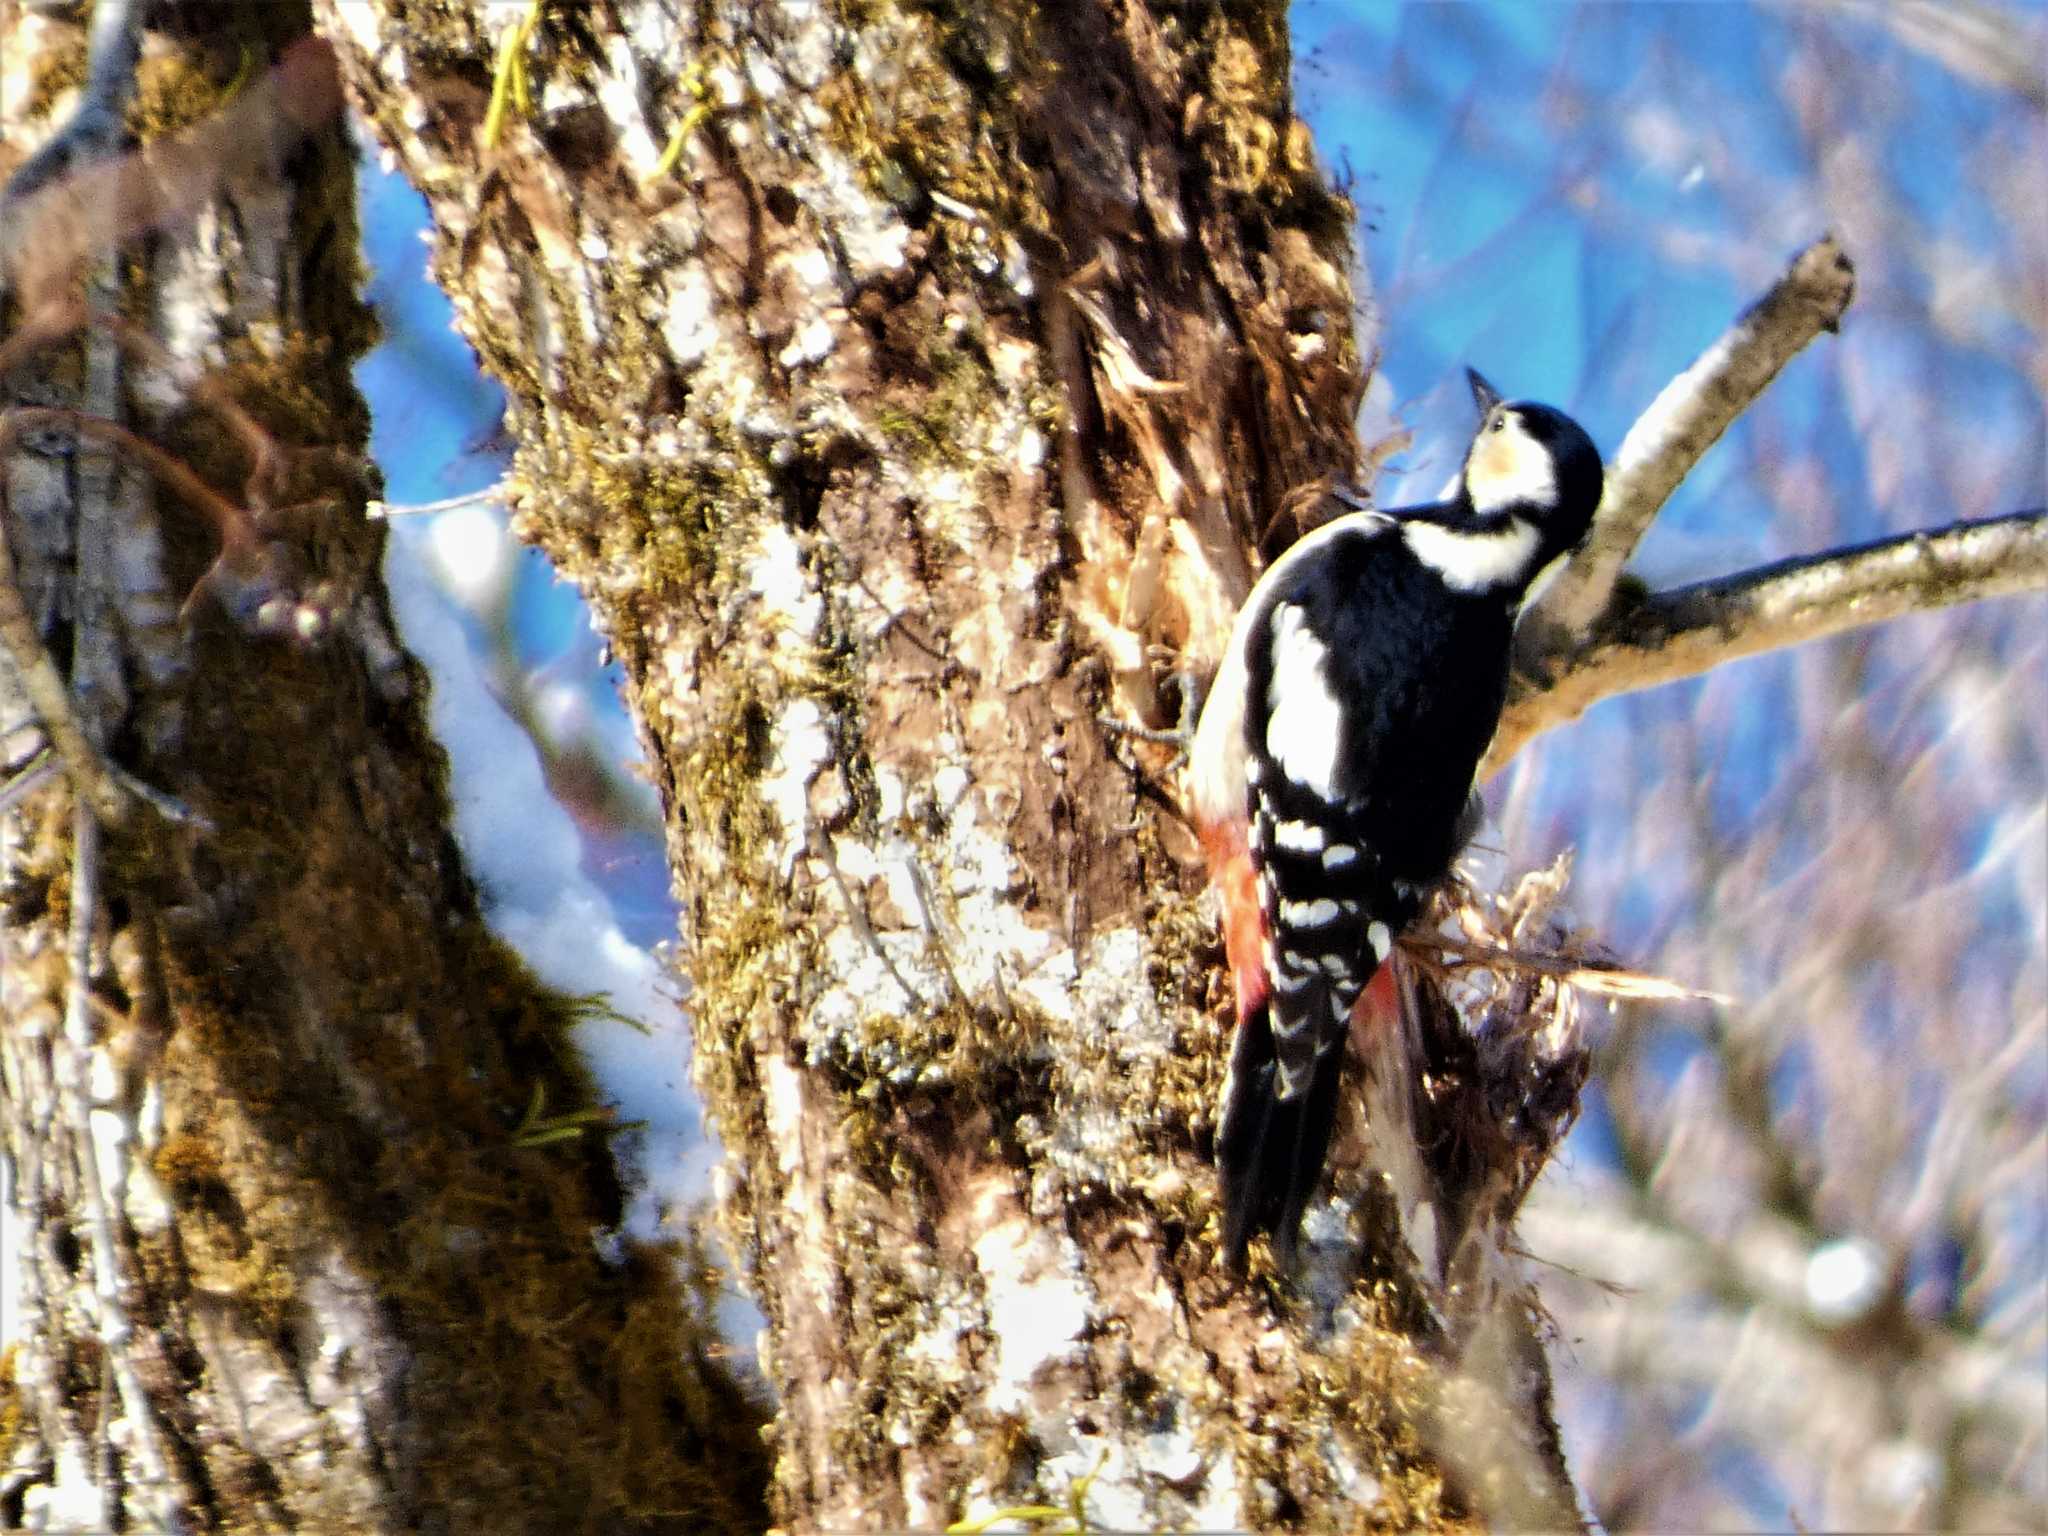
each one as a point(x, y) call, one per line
point(1218, 769)
point(1304, 719)
point(1473, 561)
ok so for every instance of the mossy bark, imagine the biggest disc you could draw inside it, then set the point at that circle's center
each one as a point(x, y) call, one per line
point(947, 371)
point(280, 1262)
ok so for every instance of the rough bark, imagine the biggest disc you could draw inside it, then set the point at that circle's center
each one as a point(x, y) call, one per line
point(281, 1262)
point(949, 369)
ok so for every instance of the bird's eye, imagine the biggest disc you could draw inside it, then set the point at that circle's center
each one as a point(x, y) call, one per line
point(1498, 424)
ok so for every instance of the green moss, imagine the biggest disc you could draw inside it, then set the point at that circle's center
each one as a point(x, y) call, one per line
point(55, 71)
point(11, 1413)
point(683, 526)
point(1368, 1389)
point(944, 410)
point(174, 91)
point(928, 133)
point(744, 950)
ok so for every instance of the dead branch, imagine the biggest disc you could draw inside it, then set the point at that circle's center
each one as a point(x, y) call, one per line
point(1688, 418)
point(1689, 630)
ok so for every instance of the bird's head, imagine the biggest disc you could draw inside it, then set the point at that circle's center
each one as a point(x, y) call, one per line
point(1534, 463)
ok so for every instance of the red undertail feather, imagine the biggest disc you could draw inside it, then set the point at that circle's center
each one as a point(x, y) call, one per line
point(1270, 1151)
point(1244, 930)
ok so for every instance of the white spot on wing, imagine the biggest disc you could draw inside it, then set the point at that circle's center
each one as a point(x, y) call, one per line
point(1285, 1028)
point(1218, 768)
point(1299, 836)
point(1337, 855)
point(1308, 914)
point(1381, 939)
point(1473, 562)
point(1304, 719)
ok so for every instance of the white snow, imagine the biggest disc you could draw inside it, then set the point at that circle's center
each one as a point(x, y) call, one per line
point(526, 856)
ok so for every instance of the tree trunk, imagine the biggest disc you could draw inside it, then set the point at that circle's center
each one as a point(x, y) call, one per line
point(947, 373)
point(279, 1259)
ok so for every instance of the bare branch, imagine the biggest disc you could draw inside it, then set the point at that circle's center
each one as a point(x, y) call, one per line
point(1690, 630)
point(1979, 42)
point(1689, 417)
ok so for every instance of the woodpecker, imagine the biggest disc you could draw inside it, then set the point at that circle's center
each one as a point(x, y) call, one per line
point(1332, 773)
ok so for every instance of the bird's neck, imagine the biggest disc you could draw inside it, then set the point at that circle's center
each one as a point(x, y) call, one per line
point(1476, 552)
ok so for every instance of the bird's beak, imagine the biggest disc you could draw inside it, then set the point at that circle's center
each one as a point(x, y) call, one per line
point(1484, 395)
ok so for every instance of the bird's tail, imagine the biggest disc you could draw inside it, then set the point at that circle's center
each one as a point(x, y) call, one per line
point(1270, 1150)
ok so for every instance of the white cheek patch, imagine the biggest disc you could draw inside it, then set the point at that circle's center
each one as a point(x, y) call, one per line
point(1474, 562)
point(1508, 467)
point(1304, 720)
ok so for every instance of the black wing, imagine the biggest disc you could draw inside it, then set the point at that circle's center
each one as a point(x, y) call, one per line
point(1371, 695)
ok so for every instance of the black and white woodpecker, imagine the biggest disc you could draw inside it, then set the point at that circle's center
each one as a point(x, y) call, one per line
point(1332, 774)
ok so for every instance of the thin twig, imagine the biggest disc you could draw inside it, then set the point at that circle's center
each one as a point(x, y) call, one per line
point(496, 491)
point(1586, 975)
point(1688, 418)
point(97, 126)
point(231, 522)
point(76, 201)
point(1982, 42)
point(39, 770)
point(1690, 630)
point(95, 679)
point(928, 910)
